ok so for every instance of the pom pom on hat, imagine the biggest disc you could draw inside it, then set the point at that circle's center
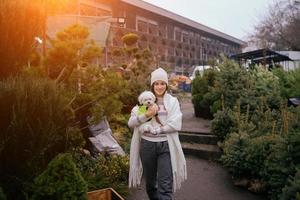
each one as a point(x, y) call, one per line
point(159, 75)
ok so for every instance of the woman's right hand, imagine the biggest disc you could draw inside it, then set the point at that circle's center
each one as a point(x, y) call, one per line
point(152, 110)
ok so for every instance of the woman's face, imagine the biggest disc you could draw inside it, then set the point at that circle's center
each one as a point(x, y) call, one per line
point(159, 88)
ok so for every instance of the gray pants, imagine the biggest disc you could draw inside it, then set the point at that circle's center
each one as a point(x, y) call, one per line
point(157, 169)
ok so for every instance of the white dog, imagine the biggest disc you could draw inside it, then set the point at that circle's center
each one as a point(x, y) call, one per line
point(146, 99)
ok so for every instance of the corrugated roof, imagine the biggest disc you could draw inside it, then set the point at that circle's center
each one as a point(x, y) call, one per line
point(261, 55)
point(181, 19)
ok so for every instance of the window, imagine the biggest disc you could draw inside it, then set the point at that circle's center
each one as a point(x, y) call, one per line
point(162, 31)
point(142, 26)
point(185, 37)
point(171, 51)
point(178, 52)
point(178, 35)
point(146, 25)
point(153, 29)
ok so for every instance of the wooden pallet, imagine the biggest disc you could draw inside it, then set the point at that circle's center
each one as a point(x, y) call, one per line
point(104, 194)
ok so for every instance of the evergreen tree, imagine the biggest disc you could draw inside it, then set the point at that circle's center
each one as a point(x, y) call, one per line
point(61, 180)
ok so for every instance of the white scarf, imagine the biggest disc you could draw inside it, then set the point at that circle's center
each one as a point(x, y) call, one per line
point(174, 119)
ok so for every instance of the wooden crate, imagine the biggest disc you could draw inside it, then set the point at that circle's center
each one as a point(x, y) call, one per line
point(104, 194)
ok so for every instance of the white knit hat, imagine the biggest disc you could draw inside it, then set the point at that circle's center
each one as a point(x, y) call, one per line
point(159, 75)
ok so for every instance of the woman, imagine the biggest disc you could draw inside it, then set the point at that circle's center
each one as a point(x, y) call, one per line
point(158, 154)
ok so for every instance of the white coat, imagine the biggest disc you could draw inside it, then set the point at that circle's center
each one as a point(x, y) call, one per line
point(174, 119)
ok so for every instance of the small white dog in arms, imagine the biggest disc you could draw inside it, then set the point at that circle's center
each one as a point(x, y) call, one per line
point(147, 99)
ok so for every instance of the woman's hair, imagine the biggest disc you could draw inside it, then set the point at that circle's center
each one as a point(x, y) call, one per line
point(152, 88)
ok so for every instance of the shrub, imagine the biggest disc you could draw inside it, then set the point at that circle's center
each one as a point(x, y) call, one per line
point(267, 86)
point(293, 83)
point(281, 163)
point(130, 39)
point(223, 123)
point(2, 195)
point(36, 125)
point(292, 189)
point(117, 168)
point(138, 63)
point(61, 180)
point(101, 93)
point(284, 83)
point(104, 171)
point(234, 156)
point(122, 133)
point(91, 170)
point(266, 120)
point(257, 151)
point(201, 108)
point(200, 87)
point(231, 84)
point(70, 48)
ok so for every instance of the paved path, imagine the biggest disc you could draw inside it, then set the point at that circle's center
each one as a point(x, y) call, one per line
point(189, 122)
point(206, 180)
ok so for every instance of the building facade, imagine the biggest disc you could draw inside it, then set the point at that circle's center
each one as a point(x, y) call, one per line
point(177, 42)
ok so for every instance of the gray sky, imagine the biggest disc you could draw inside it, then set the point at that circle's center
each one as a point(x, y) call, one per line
point(233, 17)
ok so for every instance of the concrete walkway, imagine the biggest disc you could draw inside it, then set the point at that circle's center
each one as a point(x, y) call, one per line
point(189, 122)
point(206, 180)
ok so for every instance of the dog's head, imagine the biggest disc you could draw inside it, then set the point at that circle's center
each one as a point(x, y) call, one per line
point(146, 98)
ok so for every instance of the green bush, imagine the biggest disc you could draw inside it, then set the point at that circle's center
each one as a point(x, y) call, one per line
point(270, 153)
point(284, 83)
point(136, 65)
point(200, 87)
point(292, 189)
point(294, 79)
point(117, 168)
point(235, 83)
point(258, 150)
point(36, 124)
point(294, 117)
point(289, 82)
point(104, 171)
point(267, 86)
point(61, 180)
point(70, 48)
point(130, 38)
point(281, 163)
point(267, 143)
point(121, 132)
point(234, 156)
point(135, 85)
point(2, 195)
point(91, 170)
point(223, 123)
point(199, 108)
point(101, 94)
point(266, 120)
point(232, 83)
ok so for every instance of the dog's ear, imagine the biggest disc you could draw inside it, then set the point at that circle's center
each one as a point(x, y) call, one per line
point(154, 97)
point(140, 99)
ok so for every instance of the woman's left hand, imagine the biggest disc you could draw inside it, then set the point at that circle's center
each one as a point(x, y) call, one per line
point(152, 110)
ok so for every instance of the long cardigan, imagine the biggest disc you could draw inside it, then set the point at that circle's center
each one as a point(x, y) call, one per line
point(174, 119)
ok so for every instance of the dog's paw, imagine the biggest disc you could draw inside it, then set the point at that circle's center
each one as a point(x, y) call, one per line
point(156, 131)
point(147, 128)
point(151, 129)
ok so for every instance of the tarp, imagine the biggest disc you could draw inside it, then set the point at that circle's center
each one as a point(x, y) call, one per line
point(103, 139)
point(98, 28)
